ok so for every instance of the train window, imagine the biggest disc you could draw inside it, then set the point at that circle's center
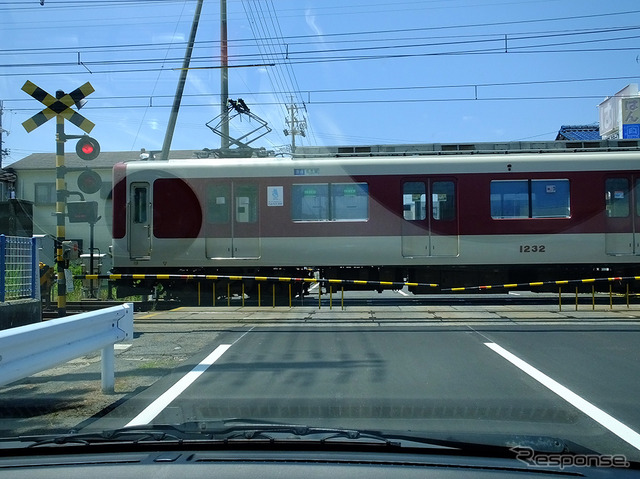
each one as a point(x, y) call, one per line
point(617, 197)
point(330, 202)
point(550, 199)
point(414, 201)
point(350, 201)
point(310, 202)
point(246, 203)
point(443, 200)
point(530, 199)
point(510, 199)
point(218, 204)
point(140, 205)
point(637, 196)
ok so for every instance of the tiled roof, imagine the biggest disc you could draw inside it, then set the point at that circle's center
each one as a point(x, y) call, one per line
point(106, 159)
point(578, 133)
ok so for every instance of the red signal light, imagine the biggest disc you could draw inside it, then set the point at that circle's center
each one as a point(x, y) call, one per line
point(87, 148)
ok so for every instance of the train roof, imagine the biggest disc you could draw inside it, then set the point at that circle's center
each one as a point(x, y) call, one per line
point(509, 147)
point(593, 160)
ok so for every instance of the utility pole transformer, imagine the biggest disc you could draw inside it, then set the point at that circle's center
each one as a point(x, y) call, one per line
point(295, 126)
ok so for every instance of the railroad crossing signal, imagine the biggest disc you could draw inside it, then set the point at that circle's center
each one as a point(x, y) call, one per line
point(58, 106)
point(87, 149)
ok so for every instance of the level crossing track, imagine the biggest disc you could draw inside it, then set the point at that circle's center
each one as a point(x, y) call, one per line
point(338, 300)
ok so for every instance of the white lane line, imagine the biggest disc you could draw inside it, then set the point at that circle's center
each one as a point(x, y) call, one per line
point(157, 406)
point(149, 413)
point(402, 292)
point(621, 430)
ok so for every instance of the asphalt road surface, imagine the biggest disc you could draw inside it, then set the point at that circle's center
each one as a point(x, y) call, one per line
point(575, 380)
point(454, 369)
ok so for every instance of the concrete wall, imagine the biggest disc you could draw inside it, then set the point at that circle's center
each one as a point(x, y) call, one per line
point(20, 312)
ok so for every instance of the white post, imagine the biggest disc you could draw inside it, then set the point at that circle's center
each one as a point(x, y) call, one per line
point(108, 360)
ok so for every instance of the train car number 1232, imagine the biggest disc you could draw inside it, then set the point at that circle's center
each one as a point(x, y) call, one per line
point(536, 248)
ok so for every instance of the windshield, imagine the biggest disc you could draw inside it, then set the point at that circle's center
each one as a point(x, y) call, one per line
point(418, 217)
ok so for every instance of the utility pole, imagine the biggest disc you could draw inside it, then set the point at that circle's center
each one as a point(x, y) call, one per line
point(3, 152)
point(224, 78)
point(295, 125)
point(177, 99)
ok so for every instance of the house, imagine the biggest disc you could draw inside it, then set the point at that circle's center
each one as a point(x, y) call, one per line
point(35, 181)
point(578, 133)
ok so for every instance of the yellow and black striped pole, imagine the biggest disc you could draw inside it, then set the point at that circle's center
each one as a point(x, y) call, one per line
point(61, 201)
point(60, 107)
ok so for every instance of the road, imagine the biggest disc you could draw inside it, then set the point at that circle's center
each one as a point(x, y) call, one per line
point(521, 369)
point(458, 377)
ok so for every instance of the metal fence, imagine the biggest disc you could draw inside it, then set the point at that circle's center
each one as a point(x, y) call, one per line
point(19, 277)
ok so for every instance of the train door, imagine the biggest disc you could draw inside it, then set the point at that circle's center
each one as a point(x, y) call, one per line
point(139, 221)
point(246, 225)
point(430, 223)
point(622, 209)
point(232, 220)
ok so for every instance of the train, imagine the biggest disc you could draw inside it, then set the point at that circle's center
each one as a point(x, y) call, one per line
point(451, 215)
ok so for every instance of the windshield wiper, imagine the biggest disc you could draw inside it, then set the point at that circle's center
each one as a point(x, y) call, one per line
point(230, 429)
point(252, 428)
point(236, 430)
point(214, 431)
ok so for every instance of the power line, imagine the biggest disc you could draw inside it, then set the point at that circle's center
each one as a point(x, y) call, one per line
point(285, 42)
point(149, 99)
point(469, 98)
point(299, 58)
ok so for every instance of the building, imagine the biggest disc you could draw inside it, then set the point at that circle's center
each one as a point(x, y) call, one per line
point(578, 133)
point(35, 181)
point(620, 114)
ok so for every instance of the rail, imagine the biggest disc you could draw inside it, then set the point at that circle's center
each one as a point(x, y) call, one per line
point(27, 350)
point(259, 279)
point(329, 283)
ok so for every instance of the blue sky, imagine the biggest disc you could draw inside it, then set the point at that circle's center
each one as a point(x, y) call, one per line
point(425, 71)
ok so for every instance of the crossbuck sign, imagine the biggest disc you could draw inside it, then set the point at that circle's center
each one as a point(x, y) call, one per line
point(55, 107)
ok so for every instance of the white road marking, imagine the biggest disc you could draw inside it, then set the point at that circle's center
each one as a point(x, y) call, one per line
point(621, 430)
point(149, 413)
point(402, 292)
point(157, 406)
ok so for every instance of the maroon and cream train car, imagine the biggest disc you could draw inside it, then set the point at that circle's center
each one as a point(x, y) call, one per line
point(455, 220)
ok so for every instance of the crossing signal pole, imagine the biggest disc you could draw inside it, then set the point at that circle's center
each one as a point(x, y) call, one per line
point(60, 107)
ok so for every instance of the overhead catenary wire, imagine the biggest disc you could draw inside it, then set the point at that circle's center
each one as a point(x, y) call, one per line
point(267, 32)
point(533, 36)
point(153, 99)
point(284, 59)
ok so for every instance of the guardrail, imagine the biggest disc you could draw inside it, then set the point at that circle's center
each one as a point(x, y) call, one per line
point(27, 350)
